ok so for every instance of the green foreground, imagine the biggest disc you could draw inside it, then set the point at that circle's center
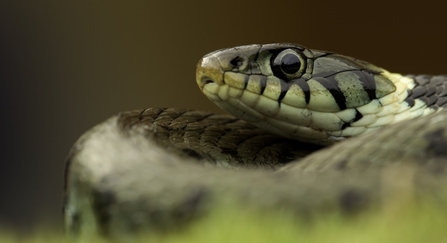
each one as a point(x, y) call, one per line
point(400, 222)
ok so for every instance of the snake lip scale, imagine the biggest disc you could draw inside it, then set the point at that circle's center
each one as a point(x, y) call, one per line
point(161, 168)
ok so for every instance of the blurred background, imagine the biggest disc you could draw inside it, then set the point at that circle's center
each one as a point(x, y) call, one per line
point(68, 65)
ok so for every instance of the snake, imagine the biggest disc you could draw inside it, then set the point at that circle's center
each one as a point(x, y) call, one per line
point(308, 131)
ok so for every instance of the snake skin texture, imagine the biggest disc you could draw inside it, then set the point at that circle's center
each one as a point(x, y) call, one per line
point(432, 90)
point(159, 169)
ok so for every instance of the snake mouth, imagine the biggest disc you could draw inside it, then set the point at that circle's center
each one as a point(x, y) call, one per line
point(204, 81)
point(207, 81)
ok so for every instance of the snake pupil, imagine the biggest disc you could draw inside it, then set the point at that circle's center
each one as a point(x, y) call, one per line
point(290, 64)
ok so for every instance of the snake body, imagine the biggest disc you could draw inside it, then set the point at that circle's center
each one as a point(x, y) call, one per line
point(150, 169)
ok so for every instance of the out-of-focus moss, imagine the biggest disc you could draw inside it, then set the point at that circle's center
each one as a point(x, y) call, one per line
point(424, 222)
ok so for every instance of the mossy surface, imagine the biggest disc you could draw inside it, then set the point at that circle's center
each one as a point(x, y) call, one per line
point(424, 222)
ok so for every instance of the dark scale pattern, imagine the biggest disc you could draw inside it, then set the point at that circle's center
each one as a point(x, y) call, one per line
point(262, 83)
point(208, 138)
point(305, 87)
point(330, 84)
point(432, 90)
point(328, 80)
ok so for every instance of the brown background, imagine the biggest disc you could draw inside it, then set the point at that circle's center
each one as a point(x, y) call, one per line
point(68, 65)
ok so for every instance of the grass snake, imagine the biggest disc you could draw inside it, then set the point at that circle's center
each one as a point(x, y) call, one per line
point(156, 169)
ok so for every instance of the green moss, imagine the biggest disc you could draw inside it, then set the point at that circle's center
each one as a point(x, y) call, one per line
point(408, 223)
point(398, 223)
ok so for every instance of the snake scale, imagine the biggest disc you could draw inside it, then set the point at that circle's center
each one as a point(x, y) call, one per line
point(157, 168)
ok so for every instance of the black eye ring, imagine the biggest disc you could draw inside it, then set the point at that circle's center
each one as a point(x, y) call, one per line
point(288, 64)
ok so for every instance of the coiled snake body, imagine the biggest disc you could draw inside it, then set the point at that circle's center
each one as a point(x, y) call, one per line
point(149, 169)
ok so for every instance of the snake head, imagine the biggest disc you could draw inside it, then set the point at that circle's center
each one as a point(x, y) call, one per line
point(298, 92)
point(213, 66)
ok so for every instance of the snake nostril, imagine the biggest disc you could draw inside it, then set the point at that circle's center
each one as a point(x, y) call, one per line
point(236, 62)
point(206, 80)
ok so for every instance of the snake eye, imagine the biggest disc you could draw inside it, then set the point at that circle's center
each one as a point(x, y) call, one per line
point(287, 64)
